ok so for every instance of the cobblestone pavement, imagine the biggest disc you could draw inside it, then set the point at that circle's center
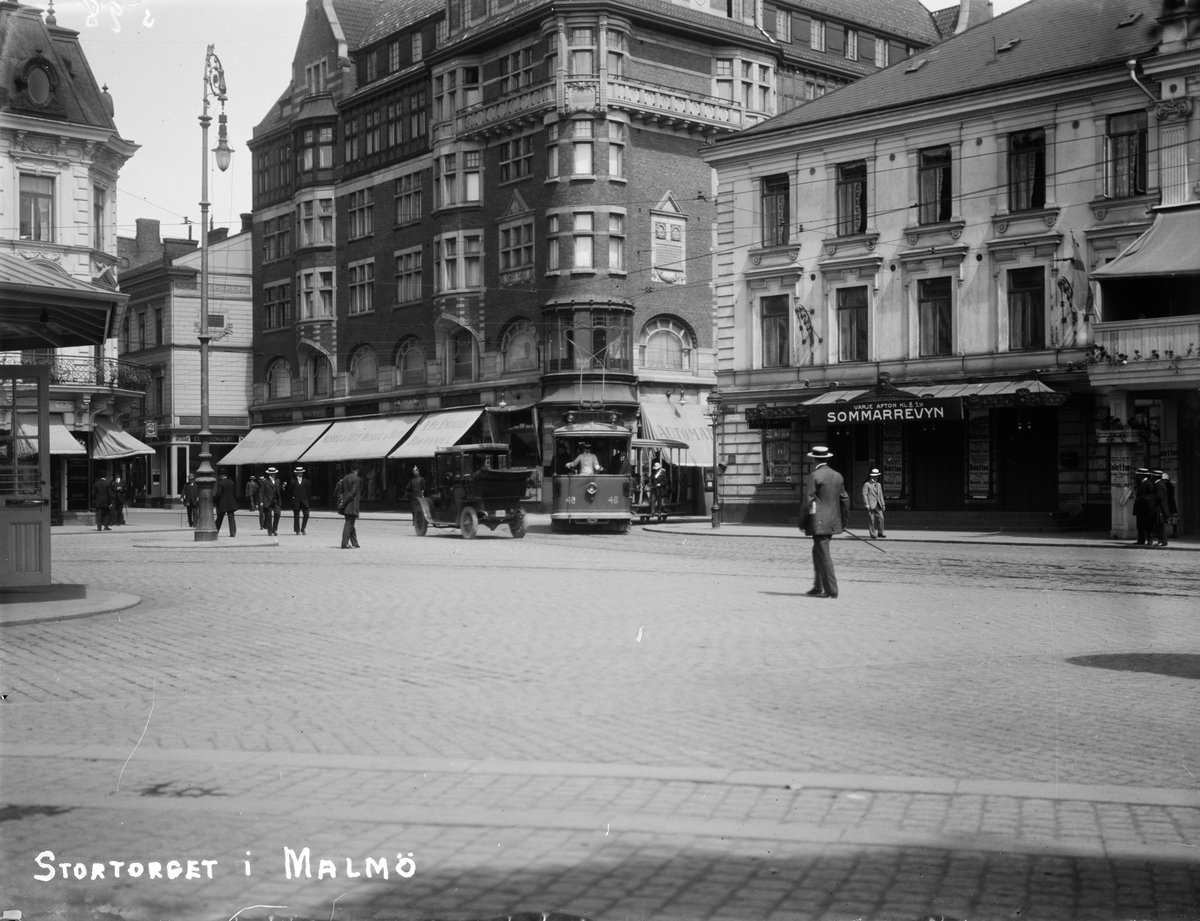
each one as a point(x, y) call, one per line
point(657, 725)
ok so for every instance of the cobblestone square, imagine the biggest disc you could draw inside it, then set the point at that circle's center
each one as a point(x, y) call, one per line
point(657, 725)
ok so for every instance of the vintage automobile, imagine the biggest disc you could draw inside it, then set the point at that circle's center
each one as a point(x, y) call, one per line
point(592, 482)
point(473, 485)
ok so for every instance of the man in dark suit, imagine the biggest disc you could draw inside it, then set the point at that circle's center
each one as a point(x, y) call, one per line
point(829, 504)
point(225, 502)
point(102, 500)
point(269, 500)
point(191, 499)
point(349, 490)
point(298, 493)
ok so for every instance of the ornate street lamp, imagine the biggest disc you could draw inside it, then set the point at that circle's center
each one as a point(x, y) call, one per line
point(715, 409)
point(206, 476)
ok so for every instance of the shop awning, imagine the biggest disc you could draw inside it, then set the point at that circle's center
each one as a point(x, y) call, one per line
point(608, 393)
point(1169, 247)
point(42, 306)
point(437, 430)
point(1015, 389)
point(916, 402)
point(275, 444)
point(112, 443)
point(362, 439)
point(687, 423)
point(61, 439)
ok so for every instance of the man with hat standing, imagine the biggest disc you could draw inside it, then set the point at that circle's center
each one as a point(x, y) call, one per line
point(225, 502)
point(1145, 507)
point(1161, 512)
point(269, 499)
point(873, 503)
point(298, 493)
point(829, 505)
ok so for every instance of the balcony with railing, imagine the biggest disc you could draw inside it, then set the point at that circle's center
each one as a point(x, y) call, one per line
point(79, 371)
point(665, 105)
point(1160, 351)
point(525, 104)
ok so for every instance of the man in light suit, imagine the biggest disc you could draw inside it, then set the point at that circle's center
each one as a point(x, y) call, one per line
point(827, 496)
point(298, 493)
point(874, 504)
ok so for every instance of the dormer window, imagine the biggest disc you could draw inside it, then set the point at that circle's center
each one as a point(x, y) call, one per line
point(39, 85)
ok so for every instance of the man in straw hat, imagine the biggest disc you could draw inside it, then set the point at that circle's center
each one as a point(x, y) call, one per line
point(873, 503)
point(828, 504)
point(269, 494)
point(298, 493)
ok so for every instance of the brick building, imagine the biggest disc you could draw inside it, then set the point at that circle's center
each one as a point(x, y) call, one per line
point(498, 209)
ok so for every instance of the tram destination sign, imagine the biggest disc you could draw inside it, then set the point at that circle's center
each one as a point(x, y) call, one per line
point(917, 410)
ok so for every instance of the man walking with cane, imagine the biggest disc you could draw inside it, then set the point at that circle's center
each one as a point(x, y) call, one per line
point(827, 505)
point(873, 503)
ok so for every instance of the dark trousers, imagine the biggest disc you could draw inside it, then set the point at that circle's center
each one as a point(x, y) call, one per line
point(262, 517)
point(101, 519)
point(191, 510)
point(824, 578)
point(301, 524)
point(349, 534)
point(232, 523)
point(271, 518)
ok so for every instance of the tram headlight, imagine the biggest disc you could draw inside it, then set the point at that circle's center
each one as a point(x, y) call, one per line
point(591, 491)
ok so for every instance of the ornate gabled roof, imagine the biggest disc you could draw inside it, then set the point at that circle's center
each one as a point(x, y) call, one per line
point(32, 50)
point(946, 20)
point(356, 17)
point(394, 16)
point(1021, 47)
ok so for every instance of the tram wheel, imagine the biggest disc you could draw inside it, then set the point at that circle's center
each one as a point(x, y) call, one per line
point(468, 523)
point(517, 525)
point(420, 524)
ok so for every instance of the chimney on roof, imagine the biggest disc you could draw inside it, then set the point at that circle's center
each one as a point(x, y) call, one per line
point(147, 234)
point(217, 234)
point(971, 13)
point(247, 221)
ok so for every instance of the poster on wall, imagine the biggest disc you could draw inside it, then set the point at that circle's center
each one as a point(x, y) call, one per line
point(893, 461)
point(777, 455)
point(979, 455)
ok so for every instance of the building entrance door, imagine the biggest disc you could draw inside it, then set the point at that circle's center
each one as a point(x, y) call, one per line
point(1028, 443)
point(935, 451)
point(24, 475)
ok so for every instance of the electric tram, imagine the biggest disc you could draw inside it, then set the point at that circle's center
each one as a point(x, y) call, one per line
point(592, 482)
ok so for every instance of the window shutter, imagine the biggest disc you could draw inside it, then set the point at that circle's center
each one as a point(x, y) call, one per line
point(801, 30)
point(835, 39)
point(866, 49)
point(769, 15)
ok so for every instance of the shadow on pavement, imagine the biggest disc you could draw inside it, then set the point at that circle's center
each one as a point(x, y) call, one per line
point(1170, 665)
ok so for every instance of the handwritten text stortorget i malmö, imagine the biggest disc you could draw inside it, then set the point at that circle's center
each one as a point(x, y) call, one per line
point(296, 865)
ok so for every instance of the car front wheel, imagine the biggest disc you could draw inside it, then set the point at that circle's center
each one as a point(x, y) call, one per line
point(468, 523)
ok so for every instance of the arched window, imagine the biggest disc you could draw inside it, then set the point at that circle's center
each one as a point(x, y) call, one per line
point(320, 377)
point(518, 345)
point(462, 356)
point(363, 369)
point(279, 380)
point(667, 344)
point(410, 361)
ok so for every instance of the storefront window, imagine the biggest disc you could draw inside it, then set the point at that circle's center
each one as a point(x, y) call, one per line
point(777, 454)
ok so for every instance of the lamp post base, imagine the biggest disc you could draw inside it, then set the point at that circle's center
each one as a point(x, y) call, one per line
point(716, 515)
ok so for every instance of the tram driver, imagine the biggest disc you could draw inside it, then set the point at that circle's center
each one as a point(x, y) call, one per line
point(586, 463)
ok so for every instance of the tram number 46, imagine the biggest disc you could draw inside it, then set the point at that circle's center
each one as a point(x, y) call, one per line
point(611, 500)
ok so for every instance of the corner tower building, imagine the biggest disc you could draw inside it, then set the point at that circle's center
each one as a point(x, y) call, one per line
point(499, 209)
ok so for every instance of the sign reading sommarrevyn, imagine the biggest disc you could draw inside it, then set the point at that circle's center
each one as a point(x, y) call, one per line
point(894, 411)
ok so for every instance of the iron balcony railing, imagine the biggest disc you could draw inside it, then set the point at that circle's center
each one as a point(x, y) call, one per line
point(86, 372)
